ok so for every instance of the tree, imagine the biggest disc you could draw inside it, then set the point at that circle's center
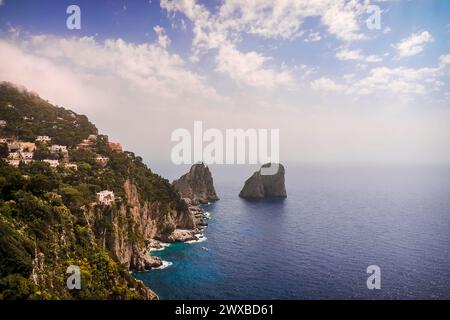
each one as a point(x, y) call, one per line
point(40, 184)
point(72, 196)
point(4, 151)
point(41, 153)
point(10, 180)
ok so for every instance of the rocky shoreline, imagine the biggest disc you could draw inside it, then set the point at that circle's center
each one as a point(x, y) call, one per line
point(146, 262)
point(196, 188)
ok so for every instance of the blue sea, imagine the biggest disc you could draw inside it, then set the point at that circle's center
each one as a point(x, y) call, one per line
point(317, 243)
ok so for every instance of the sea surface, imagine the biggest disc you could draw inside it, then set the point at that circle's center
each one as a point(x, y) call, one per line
point(317, 243)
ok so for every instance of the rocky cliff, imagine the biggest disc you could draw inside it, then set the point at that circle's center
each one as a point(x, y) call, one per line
point(52, 217)
point(126, 230)
point(197, 185)
point(264, 186)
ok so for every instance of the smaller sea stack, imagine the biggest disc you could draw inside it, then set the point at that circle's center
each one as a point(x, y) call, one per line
point(261, 185)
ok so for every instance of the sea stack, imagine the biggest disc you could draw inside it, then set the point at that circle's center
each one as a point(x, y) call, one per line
point(265, 185)
point(197, 185)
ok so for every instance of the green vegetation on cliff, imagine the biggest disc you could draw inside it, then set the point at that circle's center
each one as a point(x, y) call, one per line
point(49, 218)
point(29, 116)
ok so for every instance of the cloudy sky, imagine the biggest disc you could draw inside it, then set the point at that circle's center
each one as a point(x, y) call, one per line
point(337, 89)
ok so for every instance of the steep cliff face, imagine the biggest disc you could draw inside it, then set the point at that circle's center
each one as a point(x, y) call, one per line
point(197, 185)
point(126, 230)
point(262, 186)
point(43, 238)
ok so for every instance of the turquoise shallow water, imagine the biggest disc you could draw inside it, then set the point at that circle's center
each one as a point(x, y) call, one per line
point(318, 242)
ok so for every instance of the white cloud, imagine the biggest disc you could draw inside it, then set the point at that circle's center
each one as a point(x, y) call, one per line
point(304, 70)
point(272, 19)
point(346, 54)
point(444, 59)
point(214, 32)
point(248, 68)
point(414, 44)
point(148, 66)
point(401, 81)
point(163, 39)
point(313, 37)
point(326, 84)
point(115, 63)
point(341, 18)
point(283, 19)
point(387, 30)
point(373, 58)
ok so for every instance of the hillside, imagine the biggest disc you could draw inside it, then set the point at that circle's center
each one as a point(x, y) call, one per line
point(29, 116)
point(75, 198)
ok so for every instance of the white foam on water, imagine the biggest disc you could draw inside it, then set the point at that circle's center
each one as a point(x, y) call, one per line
point(163, 246)
point(200, 237)
point(165, 264)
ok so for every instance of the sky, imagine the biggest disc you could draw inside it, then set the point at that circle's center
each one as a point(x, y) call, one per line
point(338, 89)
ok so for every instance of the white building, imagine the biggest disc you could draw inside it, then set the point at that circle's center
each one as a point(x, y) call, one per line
point(14, 163)
point(14, 155)
point(13, 146)
point(43, 139)
point(85, 144)
point(57, 149)
point(105, 197)
point(26, 155)
point(102, 160)
point(52, 163)
point(71, 166)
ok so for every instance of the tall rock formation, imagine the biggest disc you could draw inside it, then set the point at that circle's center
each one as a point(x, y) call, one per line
point(265, 186)
point(197, 185)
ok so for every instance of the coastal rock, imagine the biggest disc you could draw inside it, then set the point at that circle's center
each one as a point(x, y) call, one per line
point(197, 185)
point(156, 245)
point(198, 213)
point(180, 235)
point(143, 261)
point(144, 291)
point(193, 208)
point(265, 186)
point(135, 223)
